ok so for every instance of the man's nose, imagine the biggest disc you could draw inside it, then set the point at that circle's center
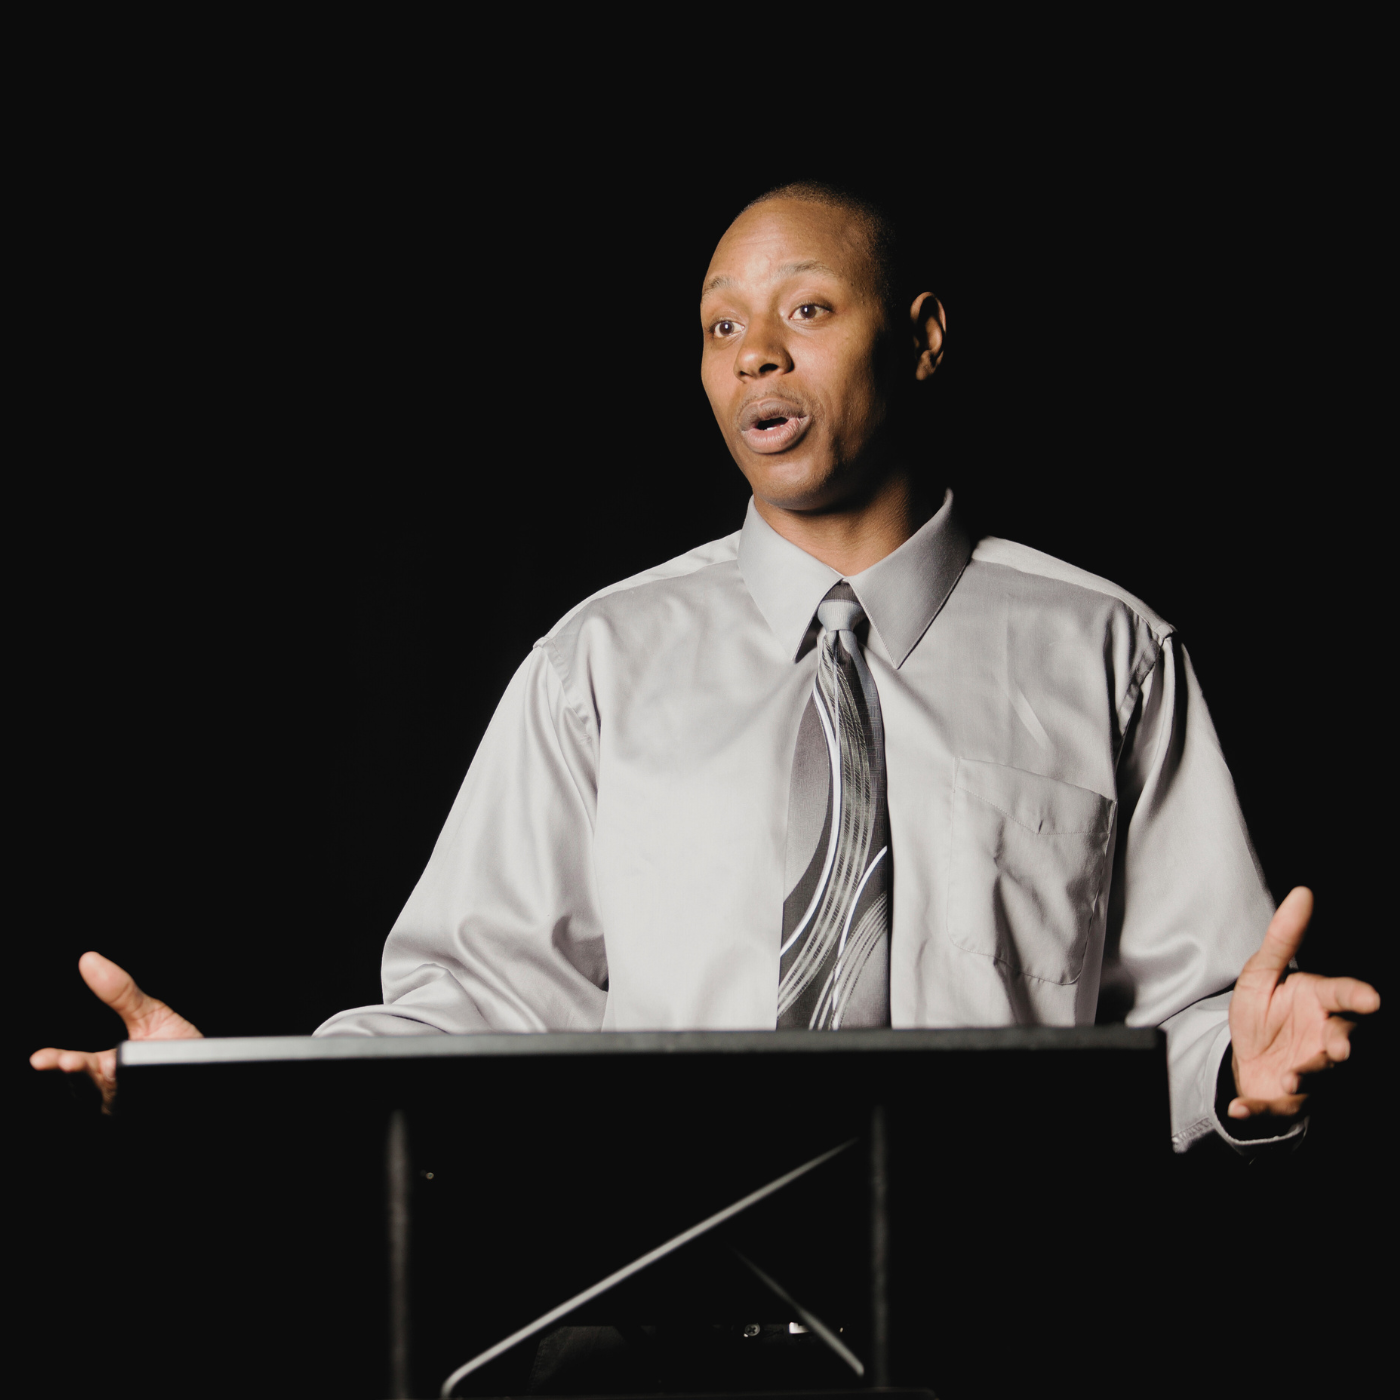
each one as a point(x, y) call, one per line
point(763, 352)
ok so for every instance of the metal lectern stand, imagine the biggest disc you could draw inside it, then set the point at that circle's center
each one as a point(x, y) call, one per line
point(526, 1179)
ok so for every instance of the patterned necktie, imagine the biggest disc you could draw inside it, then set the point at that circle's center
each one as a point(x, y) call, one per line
point(835, 959)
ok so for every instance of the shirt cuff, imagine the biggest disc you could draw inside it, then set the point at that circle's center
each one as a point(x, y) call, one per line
point(1248, 1136)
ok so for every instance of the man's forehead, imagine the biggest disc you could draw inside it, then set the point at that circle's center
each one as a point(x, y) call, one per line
point(787, 238)
point(789, 269)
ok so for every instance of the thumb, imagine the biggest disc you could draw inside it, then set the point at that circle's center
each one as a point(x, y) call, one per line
point(145, 1018)
point(1284, 935)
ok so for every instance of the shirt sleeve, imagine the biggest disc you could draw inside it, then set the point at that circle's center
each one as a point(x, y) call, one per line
point(1190, 903)
point(502, 932)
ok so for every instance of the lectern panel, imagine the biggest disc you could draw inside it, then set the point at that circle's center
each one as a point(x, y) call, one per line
point(538, 1164)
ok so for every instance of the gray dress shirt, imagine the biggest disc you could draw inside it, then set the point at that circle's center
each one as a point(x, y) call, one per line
point(1064, 827)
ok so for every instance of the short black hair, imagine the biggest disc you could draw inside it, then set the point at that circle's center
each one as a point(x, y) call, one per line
point(881, 228)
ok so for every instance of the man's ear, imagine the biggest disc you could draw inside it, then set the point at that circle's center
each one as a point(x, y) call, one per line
point(930, 327)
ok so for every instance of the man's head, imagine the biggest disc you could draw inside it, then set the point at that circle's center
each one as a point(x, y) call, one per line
point(811, 343)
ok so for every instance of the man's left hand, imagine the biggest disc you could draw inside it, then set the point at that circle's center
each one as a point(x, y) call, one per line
point(1286, 1026)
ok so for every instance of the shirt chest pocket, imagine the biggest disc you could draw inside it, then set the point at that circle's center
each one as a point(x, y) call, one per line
point(1028, 881)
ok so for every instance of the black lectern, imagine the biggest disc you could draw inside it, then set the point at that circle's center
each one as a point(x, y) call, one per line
point(382, 1216)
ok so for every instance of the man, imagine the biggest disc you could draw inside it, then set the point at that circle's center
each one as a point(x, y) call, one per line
point(845, 768)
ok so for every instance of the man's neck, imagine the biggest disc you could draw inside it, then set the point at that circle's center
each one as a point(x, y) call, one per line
point(851, 537)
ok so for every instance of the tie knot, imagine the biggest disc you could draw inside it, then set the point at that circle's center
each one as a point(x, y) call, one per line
point(840, 610)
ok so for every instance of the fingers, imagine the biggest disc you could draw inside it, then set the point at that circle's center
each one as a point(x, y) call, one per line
point(1336, 1036)
point(99, 1065)
point(1336, 1049)
point(1287, 1107)
point(1348, 994)
point(1285, 932)
point(1296, 1082)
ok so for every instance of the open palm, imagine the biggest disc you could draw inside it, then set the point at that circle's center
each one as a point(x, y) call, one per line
point(145, 1018)
point(1285, 1026)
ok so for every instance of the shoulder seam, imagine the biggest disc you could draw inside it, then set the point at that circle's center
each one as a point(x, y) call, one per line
point(562, 676)
point(553, 654)
point(1023, 558)
point(658, 573)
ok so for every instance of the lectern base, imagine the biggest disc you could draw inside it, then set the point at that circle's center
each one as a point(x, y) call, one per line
point(752, 1359)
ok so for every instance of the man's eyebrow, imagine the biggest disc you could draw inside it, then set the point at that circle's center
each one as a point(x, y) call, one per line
point(791, 269)
point(715, 284)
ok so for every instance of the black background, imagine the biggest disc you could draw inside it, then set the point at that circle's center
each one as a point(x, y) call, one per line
point(337, 389)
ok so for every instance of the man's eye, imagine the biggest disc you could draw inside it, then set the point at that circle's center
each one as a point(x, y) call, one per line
point(724, 328)
point(807, 311)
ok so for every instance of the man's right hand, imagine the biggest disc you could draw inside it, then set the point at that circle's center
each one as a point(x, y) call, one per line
point(145, 1018)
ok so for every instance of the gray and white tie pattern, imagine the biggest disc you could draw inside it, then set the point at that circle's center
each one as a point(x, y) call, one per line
point(834, 967)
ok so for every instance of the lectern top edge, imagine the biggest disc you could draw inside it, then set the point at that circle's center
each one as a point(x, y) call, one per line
point(272, 1049)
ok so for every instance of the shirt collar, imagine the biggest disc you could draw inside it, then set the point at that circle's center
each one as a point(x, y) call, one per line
point(901, 594)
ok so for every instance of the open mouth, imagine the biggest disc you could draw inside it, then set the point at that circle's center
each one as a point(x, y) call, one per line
point(772, 425)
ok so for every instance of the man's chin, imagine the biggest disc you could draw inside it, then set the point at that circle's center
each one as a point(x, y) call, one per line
point(792, 484)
